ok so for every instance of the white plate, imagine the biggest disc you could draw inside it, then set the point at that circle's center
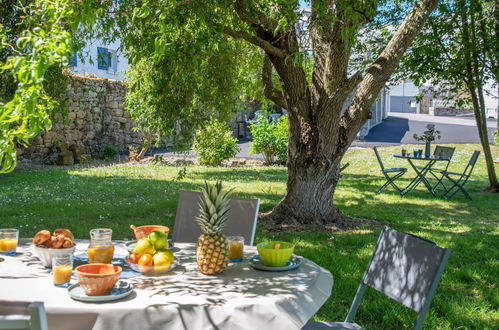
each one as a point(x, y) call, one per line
point(293, 263)
point(120, 290)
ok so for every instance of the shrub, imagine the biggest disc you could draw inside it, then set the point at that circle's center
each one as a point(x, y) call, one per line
point(496, 138)
point(270, 138)
point(109, 152)
point(214, 143)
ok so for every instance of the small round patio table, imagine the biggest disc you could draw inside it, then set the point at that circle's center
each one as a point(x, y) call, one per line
point(239, 298)
point(421, 172)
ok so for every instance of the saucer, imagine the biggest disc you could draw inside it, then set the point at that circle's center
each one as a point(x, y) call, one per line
point(119, 291)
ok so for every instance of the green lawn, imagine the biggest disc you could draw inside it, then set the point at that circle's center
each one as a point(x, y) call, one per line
point(119, 195)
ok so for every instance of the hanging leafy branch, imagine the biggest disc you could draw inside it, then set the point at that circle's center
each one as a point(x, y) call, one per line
point(34, 52)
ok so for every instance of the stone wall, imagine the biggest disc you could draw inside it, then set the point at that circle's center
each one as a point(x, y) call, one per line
point(440, 111)
point(95, 117)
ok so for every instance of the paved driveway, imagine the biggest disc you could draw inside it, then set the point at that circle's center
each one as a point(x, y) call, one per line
point(399, 129)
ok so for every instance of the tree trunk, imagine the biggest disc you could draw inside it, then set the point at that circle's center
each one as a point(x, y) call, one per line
point(474, 84)
point(319, 132)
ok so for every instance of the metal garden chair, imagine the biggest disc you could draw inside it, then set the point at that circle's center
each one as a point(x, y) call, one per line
point(396, 173)
point(22, 315)
point(404, 267)
point(243, 215)
point(462, 178)
point(445, 152)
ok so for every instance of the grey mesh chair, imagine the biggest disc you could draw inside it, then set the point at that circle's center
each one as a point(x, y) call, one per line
point(404, 267)
point(445, 152)
point(391, 174)
point(243, 215)
point(22, 315)
point(462, 178)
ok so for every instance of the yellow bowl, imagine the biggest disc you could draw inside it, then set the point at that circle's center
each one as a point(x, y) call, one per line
point(273, 257)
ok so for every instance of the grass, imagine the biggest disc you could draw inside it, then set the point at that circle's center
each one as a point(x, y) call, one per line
point(119, 195)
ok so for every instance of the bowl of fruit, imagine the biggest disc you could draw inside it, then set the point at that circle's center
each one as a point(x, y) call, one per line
point(48, 245)
point(151, 255)
point(275, 253)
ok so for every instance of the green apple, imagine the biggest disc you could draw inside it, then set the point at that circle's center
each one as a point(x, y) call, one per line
point(158, 239)
point(144, 245)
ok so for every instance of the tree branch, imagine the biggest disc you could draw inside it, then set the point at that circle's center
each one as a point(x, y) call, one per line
point(269, 90)
point(380, 71)
point(264, 44)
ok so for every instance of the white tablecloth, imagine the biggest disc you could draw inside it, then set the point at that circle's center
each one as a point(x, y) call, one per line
point(239, 298)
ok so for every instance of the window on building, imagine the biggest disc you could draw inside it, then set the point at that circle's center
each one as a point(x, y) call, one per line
point(107, 60)
point(73, 61)
point(103, 58)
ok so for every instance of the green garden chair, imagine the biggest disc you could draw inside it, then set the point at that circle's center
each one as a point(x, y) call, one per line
point(404, 267)
point(459, 179)
point(445, 152)
point(391, 174)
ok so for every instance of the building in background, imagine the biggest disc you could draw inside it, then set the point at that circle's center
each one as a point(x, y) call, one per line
point(100, 59)
point(403, 97)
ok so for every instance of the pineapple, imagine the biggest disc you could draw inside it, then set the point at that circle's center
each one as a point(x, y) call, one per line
point(212, 252)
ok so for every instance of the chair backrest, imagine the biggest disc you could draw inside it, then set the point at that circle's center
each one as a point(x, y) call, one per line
point(472, 162)
point(378, 157)
point(406, 268)
point(447, 152)
point(243, 215)
point(22, 315)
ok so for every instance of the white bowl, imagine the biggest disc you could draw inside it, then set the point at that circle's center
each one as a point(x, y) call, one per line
point(45, 254)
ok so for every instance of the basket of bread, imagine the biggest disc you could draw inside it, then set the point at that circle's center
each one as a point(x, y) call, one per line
point(48, 245)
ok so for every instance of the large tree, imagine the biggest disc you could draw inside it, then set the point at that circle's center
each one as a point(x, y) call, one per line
point(458, 53)
point(314, 81)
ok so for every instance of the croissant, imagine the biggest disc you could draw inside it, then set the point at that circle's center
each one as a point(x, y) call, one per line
point(64, 232)
point(57, 241)
point(42, 237)
point(67, 243)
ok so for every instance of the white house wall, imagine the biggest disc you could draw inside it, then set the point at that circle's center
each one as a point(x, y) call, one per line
point(89, 62)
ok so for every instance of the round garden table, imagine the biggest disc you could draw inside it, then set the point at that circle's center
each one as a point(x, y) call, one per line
point(239, 298)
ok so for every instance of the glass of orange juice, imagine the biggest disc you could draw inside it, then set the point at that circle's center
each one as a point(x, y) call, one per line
point(62, 267)
point(236, 248)
point(8, 241)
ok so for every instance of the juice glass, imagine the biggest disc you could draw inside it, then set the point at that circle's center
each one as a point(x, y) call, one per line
point(8, 241)
point(101, 248)
point(236, 248)
point(62, 267)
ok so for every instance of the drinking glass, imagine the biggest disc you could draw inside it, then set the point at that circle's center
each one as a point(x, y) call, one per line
point(62, 267)
point(8, 241)
point(236, 248)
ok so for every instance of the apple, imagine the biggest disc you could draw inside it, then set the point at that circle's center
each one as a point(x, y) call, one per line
point(158, 239)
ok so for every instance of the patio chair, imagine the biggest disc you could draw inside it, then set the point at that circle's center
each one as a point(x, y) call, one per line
point(404, 267)
point(462, 178)
point(447, 152)
point(22, 315)
point(396, 173)
point(243, 215)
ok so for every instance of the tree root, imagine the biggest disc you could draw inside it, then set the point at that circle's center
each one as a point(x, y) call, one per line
point(279, 220)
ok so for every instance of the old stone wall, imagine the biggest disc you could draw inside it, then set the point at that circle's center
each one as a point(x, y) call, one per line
point(95, 117)
point(440, 111)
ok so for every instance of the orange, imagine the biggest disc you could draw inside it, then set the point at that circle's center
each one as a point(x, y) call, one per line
point(145, 263)
point(145, 260)
point(134, 258)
